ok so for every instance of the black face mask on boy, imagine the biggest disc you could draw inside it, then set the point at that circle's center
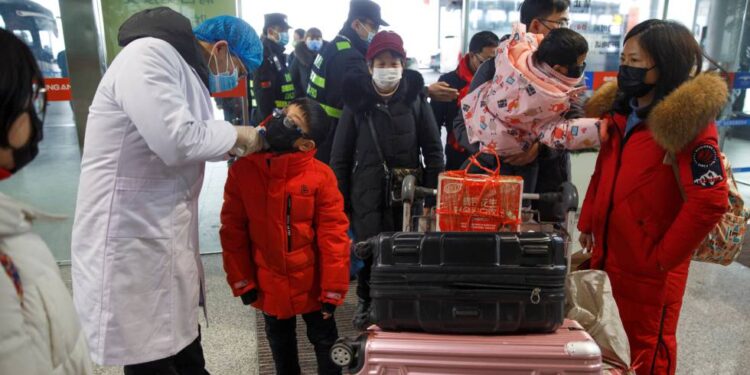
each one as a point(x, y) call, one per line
point(576, 71)
point(282, 132)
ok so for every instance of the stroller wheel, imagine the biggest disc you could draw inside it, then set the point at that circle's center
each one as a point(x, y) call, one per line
point(342, 354)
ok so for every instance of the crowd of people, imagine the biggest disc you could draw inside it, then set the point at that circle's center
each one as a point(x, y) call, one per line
point(336, 126)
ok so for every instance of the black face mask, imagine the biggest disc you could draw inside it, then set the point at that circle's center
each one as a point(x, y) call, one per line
point(280, 136)
point(630, 81)
point(24, 155)
point(576, 71)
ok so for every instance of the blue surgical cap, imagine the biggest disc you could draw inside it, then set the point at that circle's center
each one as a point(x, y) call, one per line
point(242, 39)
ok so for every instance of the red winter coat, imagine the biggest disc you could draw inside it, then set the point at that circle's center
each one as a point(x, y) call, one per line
point(284, 233)
point(644, 233)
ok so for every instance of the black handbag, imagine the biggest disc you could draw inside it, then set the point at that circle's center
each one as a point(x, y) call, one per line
point(393, 178)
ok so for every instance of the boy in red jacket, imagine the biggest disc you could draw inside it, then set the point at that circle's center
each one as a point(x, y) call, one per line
point(284, 235)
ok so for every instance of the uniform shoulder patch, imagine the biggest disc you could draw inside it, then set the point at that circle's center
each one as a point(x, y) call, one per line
point(706, 166)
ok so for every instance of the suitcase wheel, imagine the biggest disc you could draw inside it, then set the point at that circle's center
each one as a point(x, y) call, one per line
point(342, 354)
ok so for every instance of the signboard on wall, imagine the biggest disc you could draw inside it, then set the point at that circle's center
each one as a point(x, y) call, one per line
point(115, 12)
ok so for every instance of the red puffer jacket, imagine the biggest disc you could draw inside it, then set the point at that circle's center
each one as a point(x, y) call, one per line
point(644, 233)
point(283, 232)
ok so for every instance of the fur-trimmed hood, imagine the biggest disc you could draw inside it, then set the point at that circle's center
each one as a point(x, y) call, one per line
point(360, 94)
point(678, 118)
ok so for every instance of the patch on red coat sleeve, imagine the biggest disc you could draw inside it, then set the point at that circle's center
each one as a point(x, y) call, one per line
point(706, 166)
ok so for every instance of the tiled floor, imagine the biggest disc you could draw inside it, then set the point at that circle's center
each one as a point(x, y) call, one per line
point(714, 330)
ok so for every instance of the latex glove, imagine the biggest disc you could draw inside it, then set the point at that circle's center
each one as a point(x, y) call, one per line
point(524, 158)
point(249, 297)
point(327, 310)
point(442, 92)
point(249, 141)
point(587, 241)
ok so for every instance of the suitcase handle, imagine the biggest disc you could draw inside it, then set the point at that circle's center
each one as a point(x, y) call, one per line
point(466, 312)
point(405, 250)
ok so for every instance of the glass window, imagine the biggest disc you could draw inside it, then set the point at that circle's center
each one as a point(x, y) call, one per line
point(603, 23)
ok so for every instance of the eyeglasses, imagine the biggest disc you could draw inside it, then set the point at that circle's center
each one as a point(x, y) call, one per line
point(39, 102)
point(288, 122)
point(559, 24)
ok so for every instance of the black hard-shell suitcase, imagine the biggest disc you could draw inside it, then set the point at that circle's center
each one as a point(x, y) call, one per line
point(473, 283)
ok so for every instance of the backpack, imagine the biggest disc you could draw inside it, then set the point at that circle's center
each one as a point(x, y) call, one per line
point(724, 243)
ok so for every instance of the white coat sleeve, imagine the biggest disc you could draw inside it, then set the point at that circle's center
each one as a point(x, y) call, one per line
point(149, 93)
point(17, 352)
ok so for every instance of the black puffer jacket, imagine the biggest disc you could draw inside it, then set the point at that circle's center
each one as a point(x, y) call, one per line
point(405, 125)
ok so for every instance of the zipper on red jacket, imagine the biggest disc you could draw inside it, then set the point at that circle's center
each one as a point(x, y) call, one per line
point(660, 342)
point(614, 184)
point(289, 223)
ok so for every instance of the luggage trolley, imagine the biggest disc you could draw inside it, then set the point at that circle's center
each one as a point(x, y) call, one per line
point(564, 200)
point(349, 353)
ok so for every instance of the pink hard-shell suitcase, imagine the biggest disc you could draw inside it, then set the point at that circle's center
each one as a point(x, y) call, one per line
point(569, 350)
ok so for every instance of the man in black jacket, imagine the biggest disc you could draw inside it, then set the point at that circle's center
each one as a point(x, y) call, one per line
point(482, 47)
point(344, 56)
point(272, 82)
point(543, 169)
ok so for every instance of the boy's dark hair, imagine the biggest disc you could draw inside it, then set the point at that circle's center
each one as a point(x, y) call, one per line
point(300, 33)
point(675, 53)
point(483, 39)
point(536, 9)
point(18, 71)
point(316, 118)
point(561, 47)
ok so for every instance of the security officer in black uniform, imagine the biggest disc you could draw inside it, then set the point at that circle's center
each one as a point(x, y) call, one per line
point(343, 56)
point(272, 82)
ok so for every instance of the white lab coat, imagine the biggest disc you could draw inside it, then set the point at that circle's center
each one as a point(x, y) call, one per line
point(137, 273)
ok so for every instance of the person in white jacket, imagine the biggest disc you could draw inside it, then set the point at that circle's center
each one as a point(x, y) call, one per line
point(137, 274)
point(39, 329)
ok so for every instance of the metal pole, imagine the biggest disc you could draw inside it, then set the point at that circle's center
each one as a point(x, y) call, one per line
point(666, 9)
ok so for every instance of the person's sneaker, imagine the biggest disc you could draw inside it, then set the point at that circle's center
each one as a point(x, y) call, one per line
point(361, 318)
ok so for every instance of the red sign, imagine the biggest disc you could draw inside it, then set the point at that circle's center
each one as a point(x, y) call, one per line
point(238, 92)
point(601, 78)
point(58, 89)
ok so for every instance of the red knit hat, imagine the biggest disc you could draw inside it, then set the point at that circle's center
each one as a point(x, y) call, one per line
point(385, 41)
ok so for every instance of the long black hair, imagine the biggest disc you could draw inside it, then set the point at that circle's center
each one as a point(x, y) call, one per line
point(18, 72)
point(675, 53)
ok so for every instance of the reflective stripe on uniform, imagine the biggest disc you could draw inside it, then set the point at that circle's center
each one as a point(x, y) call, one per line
point(287, 88)
point(343, 45)
point(281, 103)
point(312, 92)
point(318, 80)
point(289, 96)
point(333, 112)
point(288, 77)
point(318, 61)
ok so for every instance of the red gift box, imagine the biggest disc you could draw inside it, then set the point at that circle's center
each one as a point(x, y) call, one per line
point(468, 202)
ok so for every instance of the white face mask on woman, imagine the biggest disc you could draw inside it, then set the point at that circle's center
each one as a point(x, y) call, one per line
point(387, 79)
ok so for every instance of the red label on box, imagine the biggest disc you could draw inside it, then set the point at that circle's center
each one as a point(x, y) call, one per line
point(58, 89)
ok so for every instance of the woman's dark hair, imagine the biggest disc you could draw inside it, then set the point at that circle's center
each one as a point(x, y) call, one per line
point(316, 118)
point(561, 47)
point(482, 40)
point(18, 72)
point(676, 55)
point(535, 9)
point(300, 33)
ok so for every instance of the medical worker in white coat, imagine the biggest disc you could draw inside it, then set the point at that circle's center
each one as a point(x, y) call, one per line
point(137, 273)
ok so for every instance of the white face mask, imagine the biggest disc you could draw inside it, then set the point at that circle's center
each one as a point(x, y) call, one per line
point(386, 79)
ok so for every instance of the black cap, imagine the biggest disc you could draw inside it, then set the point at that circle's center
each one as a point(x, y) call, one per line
point(366, 9)
point(276, 19)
